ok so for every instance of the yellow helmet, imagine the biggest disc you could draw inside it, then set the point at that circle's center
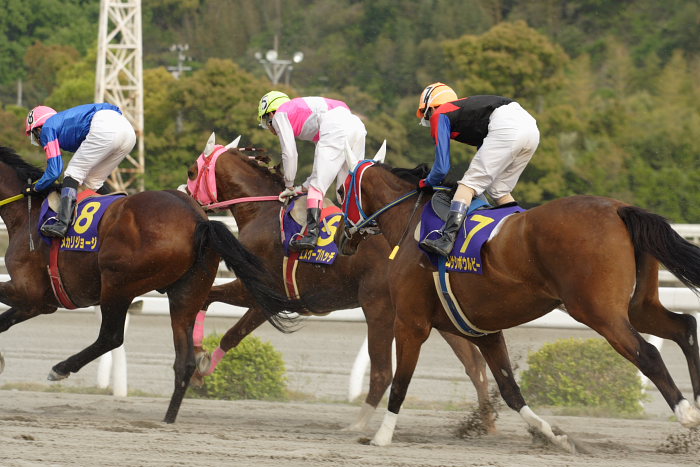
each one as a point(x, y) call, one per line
point(435, 95)
point(270, 102)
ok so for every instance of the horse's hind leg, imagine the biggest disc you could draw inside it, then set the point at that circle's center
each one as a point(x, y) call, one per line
point(185, 298)
point(493, 348)
point(475, 367)
point(110, 337)
point(625, 339)
point(648, 315)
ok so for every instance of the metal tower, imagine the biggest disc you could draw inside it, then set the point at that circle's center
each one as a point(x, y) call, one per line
point(119, 79)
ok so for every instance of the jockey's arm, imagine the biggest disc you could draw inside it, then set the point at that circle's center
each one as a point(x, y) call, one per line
point(441, 129)
point(290, 157)
point(54, 161)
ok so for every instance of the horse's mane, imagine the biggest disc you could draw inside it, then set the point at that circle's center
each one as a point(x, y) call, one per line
point(415, 174)
point(261, 162)
point(23, 169)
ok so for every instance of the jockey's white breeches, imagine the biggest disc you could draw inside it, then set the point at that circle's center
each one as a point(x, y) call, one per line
point(110, 139)
point(509, 145)
point(340, 132)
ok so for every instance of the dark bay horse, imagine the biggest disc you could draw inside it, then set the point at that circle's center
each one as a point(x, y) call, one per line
point(597, 257)
point(351, 281)
point(154, 240)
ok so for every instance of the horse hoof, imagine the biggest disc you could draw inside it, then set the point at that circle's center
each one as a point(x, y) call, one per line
point(203, 363)
point(2, 363)
point(55, 376)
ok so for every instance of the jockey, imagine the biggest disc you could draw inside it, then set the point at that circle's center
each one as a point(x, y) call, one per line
point(100, 138)
point(506, 137)
point(334, 129)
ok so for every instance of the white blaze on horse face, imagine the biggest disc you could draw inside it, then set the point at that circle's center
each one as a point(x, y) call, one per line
point(209, 148)
point(234, 143)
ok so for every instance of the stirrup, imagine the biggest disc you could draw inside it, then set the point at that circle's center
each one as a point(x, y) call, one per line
point(57, 230)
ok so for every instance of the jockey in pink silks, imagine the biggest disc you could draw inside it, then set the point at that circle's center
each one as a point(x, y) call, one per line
point(336, 132)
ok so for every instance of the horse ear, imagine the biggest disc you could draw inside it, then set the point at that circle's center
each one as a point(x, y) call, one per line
point(381, 154)
point(209, 148)
point(234, 143)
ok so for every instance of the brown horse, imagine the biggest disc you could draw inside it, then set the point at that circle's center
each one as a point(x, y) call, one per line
point(595, 256)
point(349, 282)
point(157, 240)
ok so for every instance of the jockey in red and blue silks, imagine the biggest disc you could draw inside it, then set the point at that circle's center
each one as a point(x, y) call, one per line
point(100, 138)
point(506, 137)
point(336, 132)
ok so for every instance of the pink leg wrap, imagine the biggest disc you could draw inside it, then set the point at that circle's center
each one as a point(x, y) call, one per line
point(215, 359)
point(314, 198)
point(198, 332)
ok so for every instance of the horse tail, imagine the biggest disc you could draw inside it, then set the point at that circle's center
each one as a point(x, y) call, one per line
point(653, 234)
point(250, 270)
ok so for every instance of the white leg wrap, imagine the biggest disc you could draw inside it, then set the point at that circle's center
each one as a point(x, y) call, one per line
point(687, 415)
point(386, 431)
point(366, 412)
point(545, 428)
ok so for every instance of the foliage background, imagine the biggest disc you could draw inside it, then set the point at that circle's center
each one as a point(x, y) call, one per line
point(613, 84)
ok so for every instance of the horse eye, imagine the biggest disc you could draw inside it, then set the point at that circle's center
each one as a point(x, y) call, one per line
point(341, 194)
point(191, 173)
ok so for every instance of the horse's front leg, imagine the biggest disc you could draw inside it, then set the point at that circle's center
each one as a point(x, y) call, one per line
point(493, 348)
point(110, 337)
point(16, 315)
point(475, 367)
point(409, 336)
point(206, 362)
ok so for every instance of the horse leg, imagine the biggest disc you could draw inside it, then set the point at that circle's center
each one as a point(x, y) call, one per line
point(630, 344)
point(110, 337)
point(15, 315)
point(475, 367)
point(409, 339)
point(648, 315)
point(380, 335)
point(493, 348)
point(250, 321)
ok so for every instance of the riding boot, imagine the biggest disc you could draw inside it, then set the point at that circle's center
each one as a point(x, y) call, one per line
point(448, 234)
point(313, 229)
point(65, 214)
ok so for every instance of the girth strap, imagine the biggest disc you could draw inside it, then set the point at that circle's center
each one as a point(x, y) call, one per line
point(56, 284)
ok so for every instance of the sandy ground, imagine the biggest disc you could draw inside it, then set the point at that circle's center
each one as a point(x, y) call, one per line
point(66, 429)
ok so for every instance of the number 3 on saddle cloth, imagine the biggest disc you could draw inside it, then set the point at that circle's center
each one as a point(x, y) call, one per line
point(478, 228)
point(81, 235)
point(326, 250)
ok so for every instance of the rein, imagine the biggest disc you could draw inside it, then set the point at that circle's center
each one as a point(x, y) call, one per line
point(11, 199)
point(231, 202)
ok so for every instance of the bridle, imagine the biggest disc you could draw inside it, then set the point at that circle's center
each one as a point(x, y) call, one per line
point(356, 220)
point(206, 172)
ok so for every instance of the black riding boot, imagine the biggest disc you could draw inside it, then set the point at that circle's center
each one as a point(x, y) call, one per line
point(308, 241)
point(65, 211)
point(448, 234)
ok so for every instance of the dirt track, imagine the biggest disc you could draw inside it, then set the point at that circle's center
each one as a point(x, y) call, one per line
point(85, 430)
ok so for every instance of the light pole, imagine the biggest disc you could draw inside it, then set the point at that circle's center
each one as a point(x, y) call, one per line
point(176, 71)
point(276, 67)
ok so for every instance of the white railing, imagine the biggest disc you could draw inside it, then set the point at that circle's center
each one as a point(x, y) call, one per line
point(675, 298)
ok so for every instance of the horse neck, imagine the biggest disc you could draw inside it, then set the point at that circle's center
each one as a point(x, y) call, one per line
point(230, 188)
point(379, 189)
point(14, 214)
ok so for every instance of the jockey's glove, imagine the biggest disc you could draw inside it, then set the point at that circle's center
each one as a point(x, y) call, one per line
point(30, 190)
point(290, 192)
point(424, 186)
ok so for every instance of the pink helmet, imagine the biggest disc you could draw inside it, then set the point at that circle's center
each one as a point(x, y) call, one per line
point(37, 117)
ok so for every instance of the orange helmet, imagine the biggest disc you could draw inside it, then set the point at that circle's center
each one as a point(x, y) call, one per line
point(435, 95)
